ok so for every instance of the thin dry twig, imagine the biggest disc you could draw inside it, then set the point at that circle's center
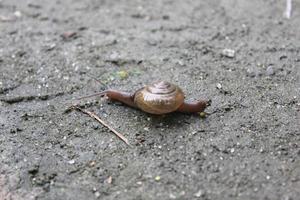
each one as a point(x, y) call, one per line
point(93, 115)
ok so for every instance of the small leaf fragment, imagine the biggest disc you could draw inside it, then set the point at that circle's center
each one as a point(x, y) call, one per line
point(122, 74)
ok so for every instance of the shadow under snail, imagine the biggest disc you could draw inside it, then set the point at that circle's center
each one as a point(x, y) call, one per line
point(158, 98)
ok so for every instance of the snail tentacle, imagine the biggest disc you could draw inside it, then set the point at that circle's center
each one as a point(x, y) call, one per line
point(193, 107)
point(103, 93)
point(115, 95)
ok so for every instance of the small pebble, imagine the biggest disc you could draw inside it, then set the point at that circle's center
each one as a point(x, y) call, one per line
point(97, 194)
point(109, 180)
point(71, 162)
point(68, 34)
point(18, 13)
point(157, 178)
point(172, 196)
point(261, 150)
point(195, 132)
point(199, 193)
point(270, 71)
point(230, 53)
point(202, 114)
point(180, 62)
point(92, 163)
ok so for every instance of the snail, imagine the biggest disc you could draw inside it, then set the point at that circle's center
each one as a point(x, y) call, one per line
point(158, 98)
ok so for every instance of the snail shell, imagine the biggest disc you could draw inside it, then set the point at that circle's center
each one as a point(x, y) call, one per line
point(159, 98)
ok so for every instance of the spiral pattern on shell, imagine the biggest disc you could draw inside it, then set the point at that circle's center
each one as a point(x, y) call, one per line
point(159, 98)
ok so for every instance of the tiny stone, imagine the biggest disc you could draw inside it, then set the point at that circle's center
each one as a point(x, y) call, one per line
point(18, 14)
point(68, 35)
point(71, 162)
point(199, 193)
point(157, 178)
point(97, 194)
point(219, 86)
point(180, 62)
point(172, 196)
point(109, 180)
point(50, 47)
point(230, 53)
point(270, 71)
point(232, 150)
point(92, 163)
point(261, 150)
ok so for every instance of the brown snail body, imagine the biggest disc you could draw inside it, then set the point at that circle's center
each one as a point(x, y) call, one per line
point(158, 98)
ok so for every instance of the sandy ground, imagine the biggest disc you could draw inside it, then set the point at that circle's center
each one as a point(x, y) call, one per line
point(246, 148)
